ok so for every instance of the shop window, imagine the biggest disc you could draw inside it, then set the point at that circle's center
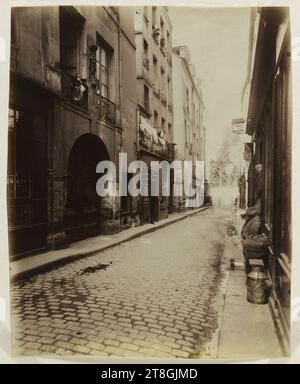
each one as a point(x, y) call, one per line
point(19, 168)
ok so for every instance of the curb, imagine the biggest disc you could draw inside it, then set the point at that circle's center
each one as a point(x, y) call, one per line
point(79, 255)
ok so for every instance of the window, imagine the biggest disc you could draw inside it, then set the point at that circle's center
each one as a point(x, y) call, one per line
point(187, 101)
point(162, 77)
point(104, 58)
point(74, 88)
point(155, 67)
point(163, 124)
point(186, 132)
point(169, 42)
point(162, 28)
point(162, 35)
point(19, 167)
point(155, 119)
point(170, 89)
point(19, 155)
point(154, 17)
point(170, 132)
point(102, 71)
point(145, 54)
point(146, 14)
point(71, 27)
point(146, 98)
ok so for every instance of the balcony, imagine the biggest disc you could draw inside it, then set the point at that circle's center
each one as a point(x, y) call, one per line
point(115, 12)
point(152, 140)
point(163, 98)
point(106, 110)
point(170, 106)
point(155, 33)
point(74, 89)
point(169, 58)
point(155, 88)
point(163, 46)
point(171, 150)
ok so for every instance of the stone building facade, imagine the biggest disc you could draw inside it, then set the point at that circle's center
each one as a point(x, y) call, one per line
point(269, 123)
point(189, 130)
point(153, 36)
point(72, 104)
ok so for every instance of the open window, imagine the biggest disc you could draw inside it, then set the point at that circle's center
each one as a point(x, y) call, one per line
point(74, 87)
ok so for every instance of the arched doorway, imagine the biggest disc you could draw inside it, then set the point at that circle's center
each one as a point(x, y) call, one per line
point(82, 216)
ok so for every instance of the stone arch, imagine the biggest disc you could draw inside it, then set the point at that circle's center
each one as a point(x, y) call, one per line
point(82, 214)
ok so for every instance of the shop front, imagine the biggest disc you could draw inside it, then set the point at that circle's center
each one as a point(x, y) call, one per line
point(27, 170)
point(270, 124)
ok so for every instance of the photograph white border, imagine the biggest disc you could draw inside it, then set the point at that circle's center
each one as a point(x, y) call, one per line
point(5, 339)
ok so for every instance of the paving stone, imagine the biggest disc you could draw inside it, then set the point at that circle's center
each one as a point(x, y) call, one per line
point(30, 338)
point(96, 346)
point(112, 351)
point(63, 338)
point(33, 345)
point(154, 301)
point(46, 340)
point(129, 347)
point(81, 349)
point(180, 353)
point(113, 343)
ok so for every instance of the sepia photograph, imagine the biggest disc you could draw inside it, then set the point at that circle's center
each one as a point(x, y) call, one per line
point(149, 182)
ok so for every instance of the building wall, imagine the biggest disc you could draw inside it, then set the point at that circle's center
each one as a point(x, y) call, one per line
point(189, 134)
point(146, 74)
point(153, 36)
point(110, 120)
point(270, 125)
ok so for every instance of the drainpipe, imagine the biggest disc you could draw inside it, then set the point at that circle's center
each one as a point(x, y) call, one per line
point(138, 132)
point(120, 89)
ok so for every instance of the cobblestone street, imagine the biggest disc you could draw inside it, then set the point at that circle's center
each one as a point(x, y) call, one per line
point(151, 297)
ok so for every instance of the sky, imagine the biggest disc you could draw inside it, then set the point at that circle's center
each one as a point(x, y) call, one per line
point(218, 40)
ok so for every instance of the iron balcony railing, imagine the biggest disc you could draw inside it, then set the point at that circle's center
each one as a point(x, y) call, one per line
point(163, 97)
point(74, 89)
point(106, 110)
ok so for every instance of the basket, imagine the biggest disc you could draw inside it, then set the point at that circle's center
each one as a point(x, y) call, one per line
point(255, 248)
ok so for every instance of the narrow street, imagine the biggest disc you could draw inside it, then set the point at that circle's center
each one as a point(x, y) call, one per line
point(151, 297)
point(147, 207)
